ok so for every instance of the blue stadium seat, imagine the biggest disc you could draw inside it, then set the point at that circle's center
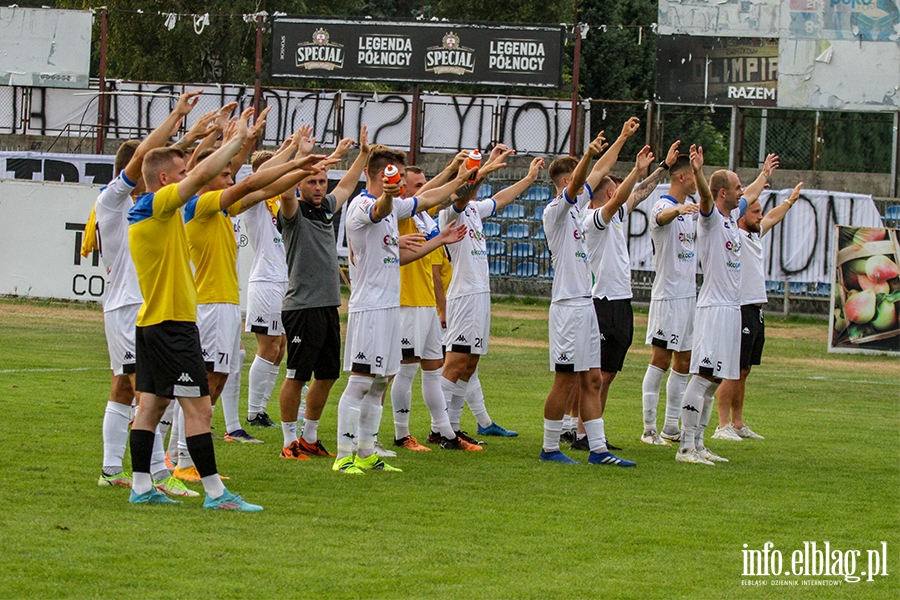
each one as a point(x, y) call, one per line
point(491, 229)
point(891, 216)
point(538, 213)
point(774, 287)
point(539, 236)
point(823, 290)
point(545, 255)
point(517, 231)
point(527, 269)
point(496, 248)
point(537, 193)
point(513, 211)
point(523, 250)
point(548, 274)
point(498, 267)
point(485, 191)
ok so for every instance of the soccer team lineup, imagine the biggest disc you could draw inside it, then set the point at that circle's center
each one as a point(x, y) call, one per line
point(420, 298)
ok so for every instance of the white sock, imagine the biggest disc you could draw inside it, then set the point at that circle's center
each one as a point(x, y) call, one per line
point(370, 417)
point(289, 431)
point(691, 411)
point(166, 421)
point(273, 378)
point(158, 458)
point(568, 423)
point(650, 390)
point(475, 399)
point(348, 413)
point(301, 410)
point(229, 399)
point(141, 483)
point(177, 423)
point(457, 402)
point(708, 400)
point(258, 383)
point(213, 486)
point(115, 435)
point(675, 387)
point(596, 435)
point(552, 431)
point(437, 406)
point(184, 457)
point(401, 398)
point(310, 430)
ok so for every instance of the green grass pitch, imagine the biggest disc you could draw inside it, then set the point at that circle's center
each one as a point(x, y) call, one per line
point(498, 524)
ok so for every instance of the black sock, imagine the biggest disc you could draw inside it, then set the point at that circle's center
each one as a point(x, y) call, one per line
point(141, 450)
point(202, 453)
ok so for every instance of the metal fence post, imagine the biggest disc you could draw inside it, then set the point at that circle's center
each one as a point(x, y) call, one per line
point(895, 158)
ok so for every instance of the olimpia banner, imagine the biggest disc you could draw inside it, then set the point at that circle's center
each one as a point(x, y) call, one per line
point(422, 52)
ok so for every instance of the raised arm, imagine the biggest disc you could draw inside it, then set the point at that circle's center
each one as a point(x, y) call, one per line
point(258, 128)
point(266, 183)
point(348, 182)
point(623, 192)
point(450, 235)
point(579, 175)
point(439, 195)
point(447, 174)
point(608, 160)
point(775, 216)
point(706, 200)
point(204, 172)
point(646, 187)
point(753, 191)
point(197, 131)
point(507, 195)
point(159, 136)
point(385, 202)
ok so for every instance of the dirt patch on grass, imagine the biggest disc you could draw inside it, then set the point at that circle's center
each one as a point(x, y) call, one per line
point(809, 333)
point(518, 342)
point(17, 312)
point(887, 369)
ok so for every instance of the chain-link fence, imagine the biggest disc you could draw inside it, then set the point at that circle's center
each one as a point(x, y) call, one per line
point(706, 126)
point(818, 141)
point(608, 116)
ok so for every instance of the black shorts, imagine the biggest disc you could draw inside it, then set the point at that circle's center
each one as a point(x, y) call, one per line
point(753, 335)
point(168, 360)
point(616, 321)
point(313, 343)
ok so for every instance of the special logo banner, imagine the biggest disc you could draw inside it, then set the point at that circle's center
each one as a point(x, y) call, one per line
point(423, 52)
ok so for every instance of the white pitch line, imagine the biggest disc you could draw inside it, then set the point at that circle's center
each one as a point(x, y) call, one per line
point(2, 371)
point(810, 378)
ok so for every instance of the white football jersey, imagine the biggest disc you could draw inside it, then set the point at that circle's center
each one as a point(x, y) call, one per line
point(564, 227)
point(608, 254)
point(753, 276)
point(269, 260)
point(469, 255)
point(376, 252)
point(673, 253)
point(719, 248)
point(113, 204)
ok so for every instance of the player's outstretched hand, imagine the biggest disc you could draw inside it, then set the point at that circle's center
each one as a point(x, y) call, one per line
point(673, 153)
point(451, 235)
point(187, 101)
point(770, 165)
point(644, 159)
point(696, 157)
point(688, 209)
point(411, 241)
point(630, 127)
point(597, 145)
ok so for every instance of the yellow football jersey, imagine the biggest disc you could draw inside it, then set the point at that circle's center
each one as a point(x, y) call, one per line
point(159, 248)
point(210, 235)
point(416, 281)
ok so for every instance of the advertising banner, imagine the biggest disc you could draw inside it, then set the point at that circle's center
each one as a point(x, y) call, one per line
point(717, 70)
point(866, 291)
point(423, 52)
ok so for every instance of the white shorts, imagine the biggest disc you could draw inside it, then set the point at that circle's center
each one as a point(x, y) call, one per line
point(220, 335)
point(120, 325)
point(717, 349)
point(670, 324)
point(420, 333)
point(372, 345)
point(574, 337)
point(469, 324)
point(264, 307)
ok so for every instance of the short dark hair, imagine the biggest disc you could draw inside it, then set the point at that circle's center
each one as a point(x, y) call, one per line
point(561, 166)
point(206, 153)
point(415, 169)
point(381, 156)
point(682, 164)
point(157, 160)
point(124, 155)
